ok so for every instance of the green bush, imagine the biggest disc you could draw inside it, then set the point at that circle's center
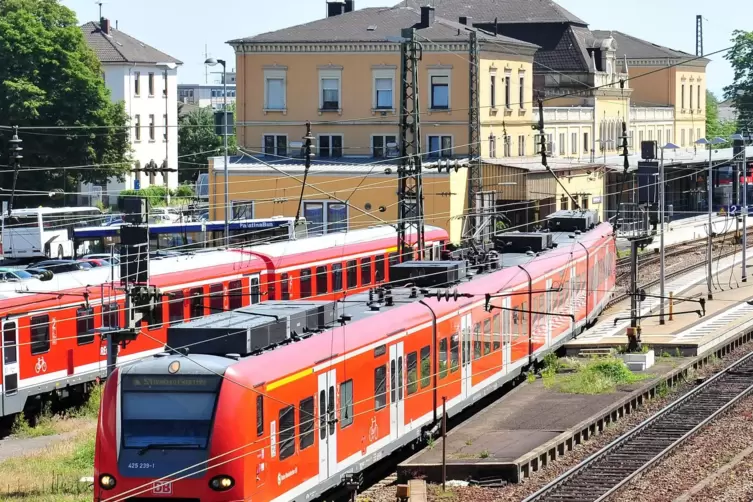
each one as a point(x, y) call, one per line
point(155, 195)
point(184, 191)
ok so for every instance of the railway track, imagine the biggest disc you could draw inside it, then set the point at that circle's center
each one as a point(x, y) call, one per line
point(603, 473)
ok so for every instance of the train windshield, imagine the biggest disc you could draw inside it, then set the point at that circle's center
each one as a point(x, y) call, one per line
point(160, 417)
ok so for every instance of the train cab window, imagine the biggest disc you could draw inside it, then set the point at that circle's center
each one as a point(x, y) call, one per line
point(487, 336)
point(351, 271)
point(337, 277)
point(175, 310)
point(477, 341)
point(40, 334)
point(9, 342)
point(380, 387)
point(306, 421)
point(365, 271)
point(454, 352)
point(412, 368)
point(196, 304)
point(216, 299)
point(287, 432)
point(322, 415)
point(393, 259)
point(496, 333)
point(255, 291)
point(84, 326)
point(425, 366)
point(379, 270)
point(443, 358)
point(235, 295)
point(305, 283)
point(346, 404)
point(321, 280)
point(259, 416)
point(111, 316)
point(285, 286)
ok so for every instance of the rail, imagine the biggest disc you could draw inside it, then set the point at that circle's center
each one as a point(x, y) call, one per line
point(609, 469)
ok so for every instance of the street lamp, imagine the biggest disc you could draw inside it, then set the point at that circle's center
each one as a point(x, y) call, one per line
point(744, 208)
point(668, 146)
point(214, 62)
point(710, 195)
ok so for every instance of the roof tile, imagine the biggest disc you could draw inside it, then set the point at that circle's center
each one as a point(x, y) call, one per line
point(117, 47)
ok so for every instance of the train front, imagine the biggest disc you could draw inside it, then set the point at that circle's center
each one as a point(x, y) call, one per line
point(155, 436)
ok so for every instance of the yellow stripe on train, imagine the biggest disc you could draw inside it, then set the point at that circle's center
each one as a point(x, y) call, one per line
point(289, 379)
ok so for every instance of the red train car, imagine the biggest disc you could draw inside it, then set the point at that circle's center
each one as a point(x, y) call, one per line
point(291, 423)
point(49, 337)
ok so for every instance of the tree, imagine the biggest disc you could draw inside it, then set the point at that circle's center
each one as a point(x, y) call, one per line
point(197, 141)
point(50, 77)
point(716, 127)
point(741, 89)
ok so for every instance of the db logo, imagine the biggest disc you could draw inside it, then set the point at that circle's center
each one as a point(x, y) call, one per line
point(163, 488)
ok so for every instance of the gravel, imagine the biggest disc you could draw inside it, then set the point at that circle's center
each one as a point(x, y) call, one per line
point(517, 492)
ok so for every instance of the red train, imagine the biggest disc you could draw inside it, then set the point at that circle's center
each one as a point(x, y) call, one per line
point(49, 337)
point(296, 420)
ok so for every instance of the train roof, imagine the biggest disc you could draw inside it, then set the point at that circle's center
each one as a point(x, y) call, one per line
point(32, 211)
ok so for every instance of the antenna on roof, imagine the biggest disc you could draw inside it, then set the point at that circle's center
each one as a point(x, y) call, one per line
point(100, 3)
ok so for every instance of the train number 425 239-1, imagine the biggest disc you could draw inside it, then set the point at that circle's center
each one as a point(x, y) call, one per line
point(141, 465)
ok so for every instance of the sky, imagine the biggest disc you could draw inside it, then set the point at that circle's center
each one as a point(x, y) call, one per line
point(184, 29)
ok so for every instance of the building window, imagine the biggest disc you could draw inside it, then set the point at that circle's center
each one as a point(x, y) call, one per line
point(691, 96)
point(574, 143)
point(137, 127)
point(492, 147)
point(698, 89)
point(275, 144)
point(440, 92)
point(698, 133)
point(242, 209)
point(658, 137)
point(329, 85)
point(383, 146)
point(325, 216)
point(640, 137)
point(564, 203)
point(585, 143)
point(682, 96)
point(521, 146)
point(584, 202)
point(384, 89)
point(330, 146)
point(137, 83)
point(508, 146)
point(522, 90)
point(151, 127)
point(563, 146)
point(274, 89)
point(682, 137)
point(440, 146)
point(493, 89)
point(151, 84)
point(669, 135)
point(507, 90)
point(650, 134)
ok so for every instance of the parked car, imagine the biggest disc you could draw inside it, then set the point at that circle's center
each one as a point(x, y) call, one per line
point(60, 266)
point(103, 256)
point(13, 275)
point(96, 262)
point(112, 219)
point(164, 215)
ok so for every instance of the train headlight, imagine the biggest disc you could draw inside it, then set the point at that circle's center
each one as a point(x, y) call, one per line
point(221, 483)
point(107, 482)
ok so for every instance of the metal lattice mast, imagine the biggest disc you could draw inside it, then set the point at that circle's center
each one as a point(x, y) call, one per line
point(475, 185)
point(699, 35)
point(410, 191)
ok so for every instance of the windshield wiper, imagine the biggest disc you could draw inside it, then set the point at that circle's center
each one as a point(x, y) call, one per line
point(170, 446)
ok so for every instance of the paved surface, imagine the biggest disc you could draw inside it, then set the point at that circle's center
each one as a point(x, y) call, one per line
point(11, 447)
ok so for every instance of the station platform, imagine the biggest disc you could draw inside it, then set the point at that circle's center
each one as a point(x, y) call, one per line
point(687, 332)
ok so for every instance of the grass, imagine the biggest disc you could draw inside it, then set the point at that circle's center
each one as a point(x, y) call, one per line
point(599, 376)
point(435, 493)
point(48, 423)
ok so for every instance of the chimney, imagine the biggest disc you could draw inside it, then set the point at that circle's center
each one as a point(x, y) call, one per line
point(116, 24)
point(335, 8)
point(104, 26)
point(466, 20)
point(427, 16)
point(496, 27)
point(350, 5)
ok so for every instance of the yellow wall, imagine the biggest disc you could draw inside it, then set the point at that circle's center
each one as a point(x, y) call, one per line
point(583, 181)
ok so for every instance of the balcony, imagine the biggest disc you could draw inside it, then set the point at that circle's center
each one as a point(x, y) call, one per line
point(563, 114)
point(652, 114)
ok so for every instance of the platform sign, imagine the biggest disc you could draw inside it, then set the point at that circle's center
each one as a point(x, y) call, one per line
point(733, 210)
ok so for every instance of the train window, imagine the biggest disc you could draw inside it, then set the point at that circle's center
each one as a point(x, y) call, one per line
point(443, 358)
point(321, 280)
point(365, 271)
point(306, 421)
point(287, 432)
point(524, 319)
point(84, 326)
point(322, 415)
point(196, 305)
point(331, 409)
point(235, 296)
point(110, 316)
point(259, 415)
point(346, 404)
point(380, 272)
point(337, 277)
point(351, 271)
point(393, 258)
point(496, 333)
point(412, 368)
point(477, 341)
point(380, 351)
point(425, 366)
point(175, 309)
point(393, 384)
point(9, 342)
point(255, 291)
point(285, 286)
point(305, 283)
point(487, 336)
point(400, 378)
point(40, 334)
point(380, 387)
point(216, 300)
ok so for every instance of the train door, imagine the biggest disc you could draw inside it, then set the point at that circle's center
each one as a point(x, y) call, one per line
point(253, 281)
point(397, 404)
point(506, 336)
point(10, 360)
point(465, 364)
point(327, 425)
